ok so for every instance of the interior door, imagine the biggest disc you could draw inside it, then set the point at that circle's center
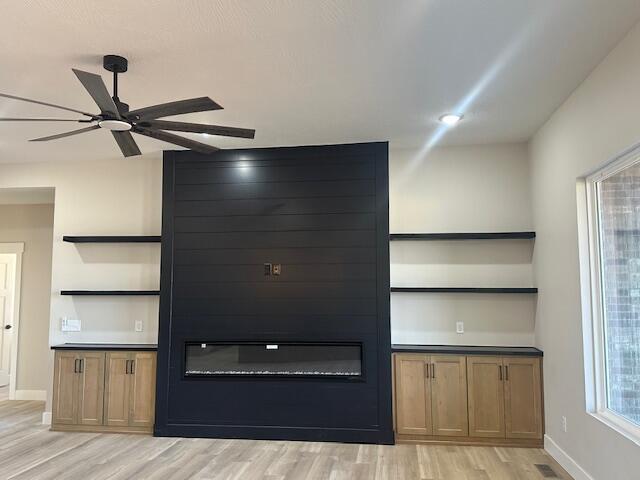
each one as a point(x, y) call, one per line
point(486, 396)
point(7, 331)
point(523, 397)
point(413, 394)
point(449, 395)
point(116, 396)
point(142, 373)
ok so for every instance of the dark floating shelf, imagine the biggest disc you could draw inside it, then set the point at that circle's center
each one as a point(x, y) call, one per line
point(468, 350)
point(110, 292)
point(112, 239)
point(464, 290)
point(464, 236)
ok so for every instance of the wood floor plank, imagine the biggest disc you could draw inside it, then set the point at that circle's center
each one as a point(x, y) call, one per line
point(29, 450)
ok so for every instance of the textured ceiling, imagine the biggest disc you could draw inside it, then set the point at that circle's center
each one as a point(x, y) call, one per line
point(307, 71)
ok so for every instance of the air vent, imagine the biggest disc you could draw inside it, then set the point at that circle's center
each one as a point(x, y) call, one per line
point(546, 471)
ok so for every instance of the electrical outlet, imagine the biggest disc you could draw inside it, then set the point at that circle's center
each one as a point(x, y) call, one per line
point(564, 424)
point(459, 327)
point(70, 324)
point(138, 325)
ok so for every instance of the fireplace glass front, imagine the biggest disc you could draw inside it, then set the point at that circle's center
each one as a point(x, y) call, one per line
point(274, 359)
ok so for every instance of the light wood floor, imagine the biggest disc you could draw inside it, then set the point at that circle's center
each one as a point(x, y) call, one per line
point(28, 450)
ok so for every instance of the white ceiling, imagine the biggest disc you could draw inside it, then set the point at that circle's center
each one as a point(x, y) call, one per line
point(307, 71)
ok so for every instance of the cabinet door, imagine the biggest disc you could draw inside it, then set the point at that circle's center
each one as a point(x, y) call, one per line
point(449, 395)
point(523, 409)
point(116, 395)
point(486, 396)
point(413, 395)
point(65, 388)
point(91, 388)
point(142, 389)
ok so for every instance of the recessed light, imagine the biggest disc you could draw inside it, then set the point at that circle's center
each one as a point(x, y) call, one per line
point(450, 119)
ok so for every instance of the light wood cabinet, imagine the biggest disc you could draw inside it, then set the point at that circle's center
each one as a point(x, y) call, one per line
point(486, 397)
point(65, 388)
point(117, 382)
point(431, 395)
point(505, 397)
point(468, 399)
point(108, 391)
point(142, 390)
point(449, 395)
point(413, 395)
point(523, 397)
point(90, 388)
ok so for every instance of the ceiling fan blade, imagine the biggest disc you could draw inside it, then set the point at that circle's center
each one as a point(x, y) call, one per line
point(98, 91)
point(200, 128)
point(190, 105)
point(176, 140)
point(14, 97)
point(126, 143)
point(66, 134)
point(42, 120)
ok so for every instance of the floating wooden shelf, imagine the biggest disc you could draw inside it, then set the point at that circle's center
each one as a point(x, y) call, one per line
point(110, 292)
point(464, 236)
point(112, 239)
point(465, 289)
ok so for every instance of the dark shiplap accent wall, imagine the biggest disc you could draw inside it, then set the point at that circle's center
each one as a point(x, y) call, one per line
point(320, 212)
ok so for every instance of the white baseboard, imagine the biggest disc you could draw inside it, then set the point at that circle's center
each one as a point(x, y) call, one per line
point(568, 463)
point(40, 395)
point(46, 418)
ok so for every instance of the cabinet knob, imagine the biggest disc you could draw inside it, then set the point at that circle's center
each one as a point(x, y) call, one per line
point(8, 327)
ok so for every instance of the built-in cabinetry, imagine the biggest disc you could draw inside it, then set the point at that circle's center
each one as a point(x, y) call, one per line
point(431, 394)
point(468, 398)
point(104, 390)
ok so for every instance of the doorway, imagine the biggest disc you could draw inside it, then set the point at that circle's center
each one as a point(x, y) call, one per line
point(10, 276)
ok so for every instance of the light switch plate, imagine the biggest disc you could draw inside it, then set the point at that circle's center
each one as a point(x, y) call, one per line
point(139, 325)
point(70, 325)
point(459, 327)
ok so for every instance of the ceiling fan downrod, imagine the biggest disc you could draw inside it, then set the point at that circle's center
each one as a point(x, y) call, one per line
point(116, 64)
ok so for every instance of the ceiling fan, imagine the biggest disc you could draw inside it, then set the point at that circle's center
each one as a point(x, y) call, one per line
point(115, 115)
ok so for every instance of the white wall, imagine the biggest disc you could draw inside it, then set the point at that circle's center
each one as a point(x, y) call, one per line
point(118, 196)
point(32, 225)
point(596, 123)
point(481, 188)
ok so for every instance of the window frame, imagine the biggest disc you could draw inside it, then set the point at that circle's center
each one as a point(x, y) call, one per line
point(594, 322)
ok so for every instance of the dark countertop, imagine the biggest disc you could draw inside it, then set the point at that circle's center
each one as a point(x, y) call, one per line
point(105, 346)
point(468, 350)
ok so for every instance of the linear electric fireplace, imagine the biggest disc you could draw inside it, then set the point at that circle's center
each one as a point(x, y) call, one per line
point(320, 360)
point(274, 295)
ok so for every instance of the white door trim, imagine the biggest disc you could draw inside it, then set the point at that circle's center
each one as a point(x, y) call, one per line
point(16, 248)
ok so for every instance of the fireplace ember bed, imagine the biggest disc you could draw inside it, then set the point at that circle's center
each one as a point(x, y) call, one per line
point(288, 359)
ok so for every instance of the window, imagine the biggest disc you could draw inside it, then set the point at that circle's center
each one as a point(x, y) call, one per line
point(613, 198)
